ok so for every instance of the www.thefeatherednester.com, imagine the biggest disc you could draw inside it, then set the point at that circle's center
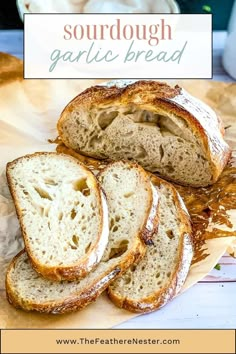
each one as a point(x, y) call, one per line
point(111, 341)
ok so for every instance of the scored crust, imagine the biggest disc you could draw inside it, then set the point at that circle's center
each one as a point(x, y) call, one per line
point(205, 124)
point(185, 254)
point(88, 262)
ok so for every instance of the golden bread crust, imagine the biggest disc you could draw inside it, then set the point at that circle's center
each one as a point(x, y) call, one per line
point(85, 264)
point(153, 96)
point(185, 253)
point(79, 300)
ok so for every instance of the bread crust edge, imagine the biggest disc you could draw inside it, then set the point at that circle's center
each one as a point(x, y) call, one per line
point(78, 301)
point(86, 264)
point(102, 95)
point(185, 253)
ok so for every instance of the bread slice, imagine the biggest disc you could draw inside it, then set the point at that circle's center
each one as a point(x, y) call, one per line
point(132, 204)
point(164, 129)
point(159, 276)
point(62, 212)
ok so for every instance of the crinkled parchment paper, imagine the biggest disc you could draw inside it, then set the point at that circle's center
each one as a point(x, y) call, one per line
point(29, 110)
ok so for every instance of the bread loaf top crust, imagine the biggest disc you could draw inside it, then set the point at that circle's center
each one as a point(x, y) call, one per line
point(158, 97)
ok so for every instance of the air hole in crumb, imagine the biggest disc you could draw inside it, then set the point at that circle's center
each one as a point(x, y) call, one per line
point(115, 228)
point(73, 214)
point(73, 247)
point(170, 169)
point(170, 234)
point(158, 275)
point(81, 186)
point(142, 153)
point(50, 182)
point(161, 150)
point(127, 280)
point(106, 118)
point(46, 211)
point(112, 223)
point(133, 268)
point(88, 247)
point(75, 242)
point(25, 192)
point(118, 251)
point(128, 195)
point(60, 216)
point(180, 140)
point(42, 193)
point(168, 274)
point(117, 218)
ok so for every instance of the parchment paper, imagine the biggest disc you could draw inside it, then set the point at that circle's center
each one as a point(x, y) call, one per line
point(29, 110)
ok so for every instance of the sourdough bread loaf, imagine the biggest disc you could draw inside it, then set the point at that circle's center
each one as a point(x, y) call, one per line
point(133, 218)
point(159, 276)
point(164, 129)
point(62, 212)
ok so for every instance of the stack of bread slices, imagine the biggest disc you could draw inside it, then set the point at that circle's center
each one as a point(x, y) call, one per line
point(123, 229)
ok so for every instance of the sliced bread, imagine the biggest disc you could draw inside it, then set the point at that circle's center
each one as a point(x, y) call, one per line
point(62, 212)
point(159, 276)
point(132, 204)
point(163, 128)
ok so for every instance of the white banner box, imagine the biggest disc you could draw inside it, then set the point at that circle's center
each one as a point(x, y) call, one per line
point(102, 46)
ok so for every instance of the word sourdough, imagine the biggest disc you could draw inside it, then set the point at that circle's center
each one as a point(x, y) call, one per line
point(119, 31)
